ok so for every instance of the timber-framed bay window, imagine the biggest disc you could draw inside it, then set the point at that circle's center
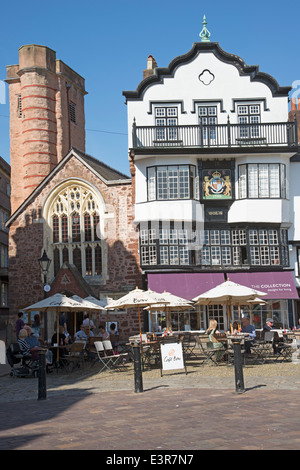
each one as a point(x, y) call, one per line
point(169, 182)
point(218, 247)
point(262, 180)
point(74, 220)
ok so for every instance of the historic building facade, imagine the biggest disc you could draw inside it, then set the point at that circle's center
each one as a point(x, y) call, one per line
point(216, 192)
point(64, 202)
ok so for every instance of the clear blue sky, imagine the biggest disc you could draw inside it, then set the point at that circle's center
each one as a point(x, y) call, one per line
point(108, 43)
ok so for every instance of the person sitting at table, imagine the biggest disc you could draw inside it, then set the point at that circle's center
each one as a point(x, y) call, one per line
point(84, 333)
point(213, 341)
point(32, 342)
point(103, 333)
point(31, 339)
point(269, 326)
point(23, 343)
point(250, 332)
point(234, 328)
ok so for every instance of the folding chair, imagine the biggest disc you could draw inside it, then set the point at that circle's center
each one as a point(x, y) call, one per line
point(117, 359)
point(212, 355)
point(108, 360)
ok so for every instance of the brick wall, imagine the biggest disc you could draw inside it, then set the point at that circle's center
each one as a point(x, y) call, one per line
point(26, 244)
point(43, 133)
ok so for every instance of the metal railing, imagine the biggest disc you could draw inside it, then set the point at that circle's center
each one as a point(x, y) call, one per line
point(216, 136)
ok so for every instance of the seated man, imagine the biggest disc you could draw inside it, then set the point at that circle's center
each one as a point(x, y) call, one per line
point(84, 333)
point(250, 332)
point(269, 326)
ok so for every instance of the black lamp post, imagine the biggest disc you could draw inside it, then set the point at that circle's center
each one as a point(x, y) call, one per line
point(44, 263)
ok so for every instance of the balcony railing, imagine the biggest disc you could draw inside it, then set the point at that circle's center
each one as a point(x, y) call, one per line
point(282, 134)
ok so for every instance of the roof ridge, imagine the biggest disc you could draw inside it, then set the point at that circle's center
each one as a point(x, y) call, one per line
point(96, 160)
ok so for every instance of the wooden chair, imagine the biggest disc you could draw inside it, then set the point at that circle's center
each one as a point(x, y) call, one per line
point(75, 356)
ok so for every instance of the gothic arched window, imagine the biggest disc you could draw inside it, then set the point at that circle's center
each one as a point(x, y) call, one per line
point(74, 219)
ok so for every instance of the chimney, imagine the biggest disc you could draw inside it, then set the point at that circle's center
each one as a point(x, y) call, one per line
point(151, 66)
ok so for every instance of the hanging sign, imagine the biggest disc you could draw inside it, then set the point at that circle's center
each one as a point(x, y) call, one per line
point(171, 356)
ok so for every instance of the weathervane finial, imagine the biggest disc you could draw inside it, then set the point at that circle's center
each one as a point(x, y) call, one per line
point(205, 34)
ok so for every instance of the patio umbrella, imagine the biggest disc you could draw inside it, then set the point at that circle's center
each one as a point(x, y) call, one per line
point(137, 298)
point(229, 293)
point(175, 303)
point(87, 305)
point(60, 303)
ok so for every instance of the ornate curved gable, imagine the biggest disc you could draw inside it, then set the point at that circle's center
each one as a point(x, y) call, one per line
point(207, 47)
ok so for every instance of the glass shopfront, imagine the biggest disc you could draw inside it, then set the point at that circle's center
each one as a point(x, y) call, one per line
point(198, 319)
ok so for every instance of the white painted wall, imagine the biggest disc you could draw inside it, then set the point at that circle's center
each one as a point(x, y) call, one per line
point(227, 85)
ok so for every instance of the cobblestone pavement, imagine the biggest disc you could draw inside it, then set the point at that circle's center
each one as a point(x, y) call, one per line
point(200, 410)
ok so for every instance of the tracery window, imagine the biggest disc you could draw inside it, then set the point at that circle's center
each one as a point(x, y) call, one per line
point(74, 221)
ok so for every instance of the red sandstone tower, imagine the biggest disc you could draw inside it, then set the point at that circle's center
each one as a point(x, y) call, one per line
point(46, 117)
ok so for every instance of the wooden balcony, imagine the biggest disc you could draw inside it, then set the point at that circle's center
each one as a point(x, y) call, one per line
point(217, 137)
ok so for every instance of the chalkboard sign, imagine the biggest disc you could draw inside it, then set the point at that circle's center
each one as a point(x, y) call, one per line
point(172, 356)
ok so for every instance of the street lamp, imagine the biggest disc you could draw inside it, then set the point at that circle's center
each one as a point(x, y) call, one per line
point(44, 263)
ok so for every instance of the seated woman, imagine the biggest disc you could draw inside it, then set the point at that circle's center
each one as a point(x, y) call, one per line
point(213, 342)
point(102, 333)
point(25, 349)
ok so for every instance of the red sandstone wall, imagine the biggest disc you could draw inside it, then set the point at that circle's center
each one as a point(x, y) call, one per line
point(43, 135)
point(26, 244)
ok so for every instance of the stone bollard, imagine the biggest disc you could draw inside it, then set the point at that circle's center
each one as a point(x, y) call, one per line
point(42, 391)
point(138, 378)
point(238, 366)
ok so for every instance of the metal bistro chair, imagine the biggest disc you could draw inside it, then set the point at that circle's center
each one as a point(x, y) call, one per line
point(104, 360)
point(188, 344)
point(210, 354)
point(116, 360)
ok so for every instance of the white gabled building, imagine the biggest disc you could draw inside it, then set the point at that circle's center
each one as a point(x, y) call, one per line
point(216, 193)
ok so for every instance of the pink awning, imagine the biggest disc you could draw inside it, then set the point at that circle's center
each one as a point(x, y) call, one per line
point(277, 285)
point(186, 285)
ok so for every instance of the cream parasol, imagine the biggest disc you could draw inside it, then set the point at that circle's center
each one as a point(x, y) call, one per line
point(137, 298)
point(229, 293)
point(175, 303)
point(61, 303)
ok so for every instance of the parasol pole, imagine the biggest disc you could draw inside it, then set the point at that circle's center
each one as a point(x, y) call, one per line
point(229, 312)
point(75, 319)
point(140, 323)
point(152, 321)
point(167, 319)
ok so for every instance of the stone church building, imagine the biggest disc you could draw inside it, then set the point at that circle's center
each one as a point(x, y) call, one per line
point(64, 202)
